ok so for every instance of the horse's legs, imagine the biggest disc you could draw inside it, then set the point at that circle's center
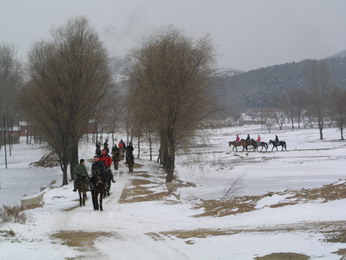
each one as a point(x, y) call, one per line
point(80, 199)
point(101, 197)
point(95, 203)
point(84, 197)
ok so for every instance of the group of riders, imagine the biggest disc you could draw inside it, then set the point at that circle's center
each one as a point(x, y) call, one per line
point(102, 163)
point(258, 140)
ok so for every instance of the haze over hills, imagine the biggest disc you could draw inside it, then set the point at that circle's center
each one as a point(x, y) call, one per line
point(259, 88)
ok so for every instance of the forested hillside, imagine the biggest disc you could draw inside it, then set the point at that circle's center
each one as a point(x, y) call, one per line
point(259, 88)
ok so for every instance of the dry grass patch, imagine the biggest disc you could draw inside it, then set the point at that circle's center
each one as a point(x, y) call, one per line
point(80, 239)
point(327, 193)
point(141, 189)
point(283, 256)
point(235, 205)
point(338, 236)
point(12, 214)
point(341, 251)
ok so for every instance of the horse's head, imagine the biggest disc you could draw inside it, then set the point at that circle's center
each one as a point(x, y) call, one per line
point(96, 172)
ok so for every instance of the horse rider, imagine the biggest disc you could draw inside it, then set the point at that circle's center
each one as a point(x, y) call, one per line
point(258, 139)
point(276, 140)
point(121, 144)
point(80, 171)
point(105, 146)
point(98, 148)
point(107, 161)
point(248, 138)
point(237, 139)
point(115, 149)
point(129, 150)
point(97, 165)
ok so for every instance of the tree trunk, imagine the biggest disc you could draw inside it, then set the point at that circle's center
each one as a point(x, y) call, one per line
point(74, 159)
point(342, 131)
point(320, 127)
point(64, 171)
point(169, 161)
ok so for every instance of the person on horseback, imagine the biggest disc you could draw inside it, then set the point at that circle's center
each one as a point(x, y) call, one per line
point(115, 151)
point(248, 138)
point(98, 148)
point(97, 165)
point(258, 139)
point(105, 146)
point(129, 151)
point(237, 139)
point(107, 161)
point(276, 140)
point(79, 171)
point(121, 144)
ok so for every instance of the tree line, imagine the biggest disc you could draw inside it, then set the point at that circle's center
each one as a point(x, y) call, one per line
point(321, 102)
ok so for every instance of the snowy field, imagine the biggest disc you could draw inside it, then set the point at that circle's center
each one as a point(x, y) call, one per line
point(226, 204)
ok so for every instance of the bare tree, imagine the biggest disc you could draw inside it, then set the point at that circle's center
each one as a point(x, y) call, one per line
point(339, 109)
point(319, 86)
point(294, 103)
point(169, 77)
point(69, 79)
point(269, 118)
point(11, 78)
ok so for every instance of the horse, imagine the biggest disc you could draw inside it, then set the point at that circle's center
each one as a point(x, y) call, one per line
point(82, 188)
point(109, 177)
point(253, 143)
point(263, 145)
point(98, 189)
point(234, 144)
point(279, 143)
point(116, 159)
point(122, 153)
point(130, 161)
point(242, 143)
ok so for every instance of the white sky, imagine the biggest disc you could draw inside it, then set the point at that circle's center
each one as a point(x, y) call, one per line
point(248, 34)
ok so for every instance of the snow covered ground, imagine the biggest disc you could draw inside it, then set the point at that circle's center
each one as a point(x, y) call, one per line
point(142, 221)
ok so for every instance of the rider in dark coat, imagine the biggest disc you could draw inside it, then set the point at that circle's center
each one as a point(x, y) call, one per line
point(276, 140)
point(129, 151)
point(98, 148)
point(248, 138)
point(105, 146)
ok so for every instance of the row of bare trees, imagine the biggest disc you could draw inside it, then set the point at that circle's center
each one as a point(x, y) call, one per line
point(69, 84)
point(320, 102)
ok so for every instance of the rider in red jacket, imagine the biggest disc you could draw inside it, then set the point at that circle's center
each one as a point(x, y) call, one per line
point(106, 159)
point(107, 162)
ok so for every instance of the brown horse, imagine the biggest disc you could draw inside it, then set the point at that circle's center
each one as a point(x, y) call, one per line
point(82, 188)
point(234, 145)
point(242, 143)
point(98, 189)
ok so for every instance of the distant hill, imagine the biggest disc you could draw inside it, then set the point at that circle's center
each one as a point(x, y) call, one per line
point(237, 90)
point(258, 88)
point(341, 54)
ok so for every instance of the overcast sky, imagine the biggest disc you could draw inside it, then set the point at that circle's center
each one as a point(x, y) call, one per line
point(247, 34)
